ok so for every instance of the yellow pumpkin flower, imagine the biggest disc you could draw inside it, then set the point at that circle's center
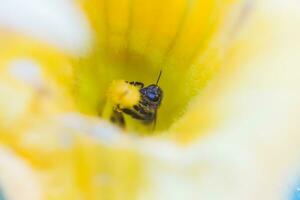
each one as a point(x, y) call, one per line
point(228, 124)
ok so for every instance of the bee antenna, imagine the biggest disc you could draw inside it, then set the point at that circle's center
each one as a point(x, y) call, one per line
point(160, 72)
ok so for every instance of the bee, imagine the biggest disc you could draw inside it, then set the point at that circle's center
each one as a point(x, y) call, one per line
point(135, 100)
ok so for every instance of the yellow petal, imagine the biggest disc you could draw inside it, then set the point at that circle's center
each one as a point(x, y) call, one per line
point(34, 82)
point(259, 80)
point(252, 100)
point(137, 39)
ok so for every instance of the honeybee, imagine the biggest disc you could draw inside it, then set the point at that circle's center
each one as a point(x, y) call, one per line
point(135, 100)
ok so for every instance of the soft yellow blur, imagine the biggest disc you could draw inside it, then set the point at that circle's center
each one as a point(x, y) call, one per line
point(123, 94)
point(50, 131)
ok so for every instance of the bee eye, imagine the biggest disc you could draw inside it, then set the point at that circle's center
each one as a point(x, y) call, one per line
point(153, 97)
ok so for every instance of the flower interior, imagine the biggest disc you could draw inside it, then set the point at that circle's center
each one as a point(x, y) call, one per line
point(134, 41)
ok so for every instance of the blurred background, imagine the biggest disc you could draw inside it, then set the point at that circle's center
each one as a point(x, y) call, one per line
point(228, 126)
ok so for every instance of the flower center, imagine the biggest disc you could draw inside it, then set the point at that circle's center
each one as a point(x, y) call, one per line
point(135, 42)
point(98, 75)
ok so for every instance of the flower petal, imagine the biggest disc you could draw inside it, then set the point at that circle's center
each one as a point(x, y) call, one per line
point(137, 39)
point(52, 21)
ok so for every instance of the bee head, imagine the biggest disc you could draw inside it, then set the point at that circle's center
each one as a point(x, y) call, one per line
point(153, 93)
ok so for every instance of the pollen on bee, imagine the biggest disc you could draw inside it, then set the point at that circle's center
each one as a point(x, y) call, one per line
point(123, 94)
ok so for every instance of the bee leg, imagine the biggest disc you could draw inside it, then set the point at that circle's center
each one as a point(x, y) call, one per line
point(133, 114)
point(117, 118)
point(135, 83)
point(154, 121)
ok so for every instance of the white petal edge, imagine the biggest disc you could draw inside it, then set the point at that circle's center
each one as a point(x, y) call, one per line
point(17, 179)
point(60, 23)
